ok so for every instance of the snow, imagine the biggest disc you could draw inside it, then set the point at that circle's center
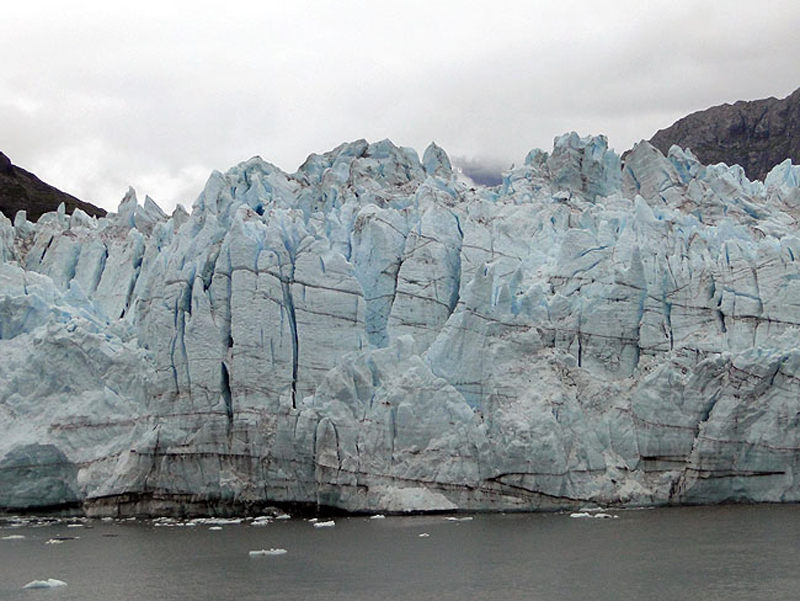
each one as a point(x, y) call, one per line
point(373, 334)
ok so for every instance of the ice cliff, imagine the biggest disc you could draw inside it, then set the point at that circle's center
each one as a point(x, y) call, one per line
point(374, 333)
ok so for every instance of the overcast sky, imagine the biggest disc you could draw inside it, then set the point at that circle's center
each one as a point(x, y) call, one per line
point(95, 97)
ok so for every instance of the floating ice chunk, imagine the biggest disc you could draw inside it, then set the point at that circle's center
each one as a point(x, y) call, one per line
point(54, 541)
point(328, 524)
point(49, 583)
point(423, 535)
point(217, 521)
point(265, 552)
point(312, 520)
point(13, 537)
point(454, 519)
point(586, 514)
point(378, 516)
point(215, 528)
point(283, 516)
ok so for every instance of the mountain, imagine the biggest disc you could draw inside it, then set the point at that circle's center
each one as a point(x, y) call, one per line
point(371, 333)
point(23, 191)
point(756, 134)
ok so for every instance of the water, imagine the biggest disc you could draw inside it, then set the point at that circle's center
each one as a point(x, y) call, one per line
point(730, 553)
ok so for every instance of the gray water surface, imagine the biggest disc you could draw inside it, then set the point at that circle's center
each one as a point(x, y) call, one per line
point(731, 553)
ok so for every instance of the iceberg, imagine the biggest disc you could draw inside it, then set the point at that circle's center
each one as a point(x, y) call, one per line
point(267, 552)
point(49, 583)
point(57, 540)
point(599, 516)
point(326, 524)
point(375, 334)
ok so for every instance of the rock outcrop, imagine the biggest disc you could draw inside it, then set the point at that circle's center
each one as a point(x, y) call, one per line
point(757, 135)
point(371, 334)
point(23, 191)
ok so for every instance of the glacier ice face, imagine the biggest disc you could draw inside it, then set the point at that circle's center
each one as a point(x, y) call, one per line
point(373, 334)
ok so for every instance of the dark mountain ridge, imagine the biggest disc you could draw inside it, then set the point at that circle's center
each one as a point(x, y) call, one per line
point(21, 190)
point(756, 134)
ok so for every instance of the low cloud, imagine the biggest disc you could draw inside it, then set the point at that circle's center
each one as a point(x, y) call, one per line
point(486, 172)
point(96, 99)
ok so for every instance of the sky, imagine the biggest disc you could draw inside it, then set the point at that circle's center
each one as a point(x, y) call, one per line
point(99, 96)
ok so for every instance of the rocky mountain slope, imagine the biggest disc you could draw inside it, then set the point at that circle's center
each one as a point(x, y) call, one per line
point(757, 134)
point(23, 191)
point(371, 334)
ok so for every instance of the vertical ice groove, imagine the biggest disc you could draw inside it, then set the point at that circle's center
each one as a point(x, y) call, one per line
point(225, 388)
point(668, 318)
point(288, 305)
point(46, 248)
point(137, 267)
point(99, 272)
point(456, 293)
point(181, 339)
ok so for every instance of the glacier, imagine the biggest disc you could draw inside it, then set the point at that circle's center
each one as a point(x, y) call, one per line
point(375, 333)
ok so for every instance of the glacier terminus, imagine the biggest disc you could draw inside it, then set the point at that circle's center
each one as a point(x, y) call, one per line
point(375, 333)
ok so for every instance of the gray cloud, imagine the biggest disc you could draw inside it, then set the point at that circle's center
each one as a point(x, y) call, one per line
point(95, 97)
point(483, 171)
